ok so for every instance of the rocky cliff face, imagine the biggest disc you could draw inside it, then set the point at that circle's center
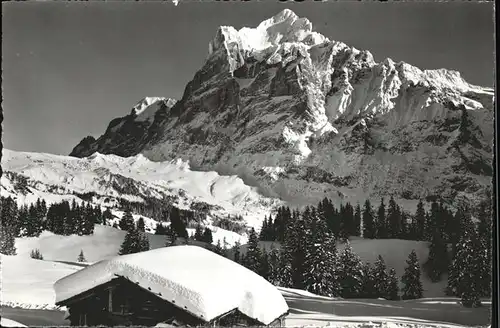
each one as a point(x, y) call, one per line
point(303, 117)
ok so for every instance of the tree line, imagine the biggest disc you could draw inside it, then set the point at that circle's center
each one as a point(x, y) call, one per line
point(309, 260)
point(457, 246)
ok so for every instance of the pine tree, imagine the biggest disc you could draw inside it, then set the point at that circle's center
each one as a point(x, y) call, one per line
point(253, 255)
point(198, 234)
point(140, 225)
point(367, 282)
point(406, 226)
point(274, 263)
point(286, 259)
point(81, 257)
point(381, 278)
point(177, 223)
point(318, 260)
point(7, 240)
point(143, 242)
point(127, 221)
point(392, 286)
point(351, 273)
point(134, 242)
point(484, 230)
point(218, 248)
point(296, 249)
point(107, 216)
point(357, 221)
point(207, 236)
point(36, 254)
point(160, 229)
point(263, 230)
point(264, 267)
point(393, 219)
point(236, 252)
point(369, 230)
point(412, 285)
point(420, 216)
point(381, 223)
point(437, 263)
point(467, 268)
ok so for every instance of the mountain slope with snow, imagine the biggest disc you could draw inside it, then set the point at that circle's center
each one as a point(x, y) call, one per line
point(110, 178)
point(303, 117)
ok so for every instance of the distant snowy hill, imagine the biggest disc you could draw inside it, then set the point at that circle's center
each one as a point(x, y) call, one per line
point(303, 117)
point(106, 179)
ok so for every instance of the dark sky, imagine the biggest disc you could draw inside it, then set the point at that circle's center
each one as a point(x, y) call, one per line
point(69, 68)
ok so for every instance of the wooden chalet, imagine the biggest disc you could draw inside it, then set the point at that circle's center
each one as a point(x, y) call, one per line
point(121, 301)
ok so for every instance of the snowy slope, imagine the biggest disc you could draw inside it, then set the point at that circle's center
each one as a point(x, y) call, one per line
point(206, 284)
point(303, 117)
point(103, 244)
point(136, 178)
point(4, 322)
point(28, 283)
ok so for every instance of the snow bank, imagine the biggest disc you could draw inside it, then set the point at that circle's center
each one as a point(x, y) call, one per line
point(203, 282)
point(28, 283)
point(4, 322)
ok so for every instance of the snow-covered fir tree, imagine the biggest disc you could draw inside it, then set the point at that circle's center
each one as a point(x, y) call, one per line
point(467, 267)
point(236, 252)
point(140, 225)
point(392, 286)
point(127, 223)
point(107, 216)
point(218, 248)
point(274, 262)
point(207, 236)
point(264, 267)
point(368, 282)
point(393, 219)
point(350, 273)
point(81, 257)
point(484, 229)
point(381, 224)
point(412, 285)
point(198, 233)
point(381, 278)
point(36, 254)
point(134, 242)
point(419, 222)
point(253, 255)
point(297, 243)
point(319, 263)
point(437, 263)
point(369, 229)
point(7, 240)
point(357, 221)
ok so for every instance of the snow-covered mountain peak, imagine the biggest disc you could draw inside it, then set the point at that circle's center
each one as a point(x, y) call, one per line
point(285, 27)
point(281, 105)
point(145, 109)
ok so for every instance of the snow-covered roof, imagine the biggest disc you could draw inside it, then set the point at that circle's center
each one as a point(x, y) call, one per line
point(204, 283)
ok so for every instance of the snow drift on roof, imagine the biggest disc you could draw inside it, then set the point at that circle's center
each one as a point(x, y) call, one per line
point(204, 283)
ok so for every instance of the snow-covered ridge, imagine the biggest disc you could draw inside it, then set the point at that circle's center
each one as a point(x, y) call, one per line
point(206, 284)
point(303, 117)
point(144, 110)
point(284, 27)
point(54, 177)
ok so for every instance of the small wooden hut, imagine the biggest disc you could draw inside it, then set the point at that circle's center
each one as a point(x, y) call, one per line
point(184, 285)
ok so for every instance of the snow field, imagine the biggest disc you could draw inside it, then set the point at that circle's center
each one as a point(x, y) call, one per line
point(28, 283)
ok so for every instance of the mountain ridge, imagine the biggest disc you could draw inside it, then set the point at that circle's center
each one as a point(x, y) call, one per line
point(291, 112)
